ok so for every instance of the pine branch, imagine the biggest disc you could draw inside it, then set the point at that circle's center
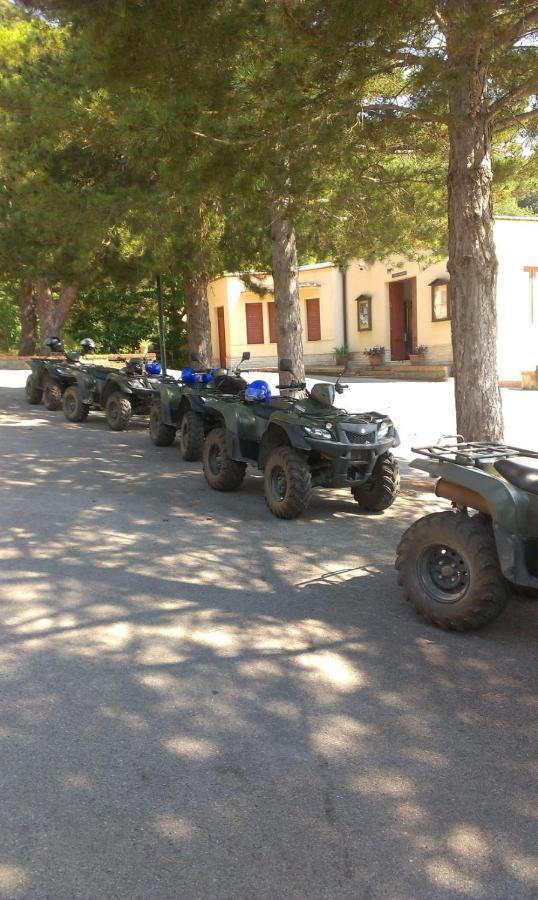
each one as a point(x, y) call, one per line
point(530, 86)
point(516, 119)
point(525, 25)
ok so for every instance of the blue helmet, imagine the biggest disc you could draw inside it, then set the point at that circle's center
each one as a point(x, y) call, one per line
point(153, 368)
point(189, 376)
point(207, 377)
point(258, 391)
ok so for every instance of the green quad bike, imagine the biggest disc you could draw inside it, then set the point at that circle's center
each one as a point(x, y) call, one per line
point(300, 443)
point(50, 376)
point(458, 567)
point(120, 392)
point(179, 405)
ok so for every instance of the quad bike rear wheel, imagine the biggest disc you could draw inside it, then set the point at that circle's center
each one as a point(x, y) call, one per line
point(191, 436)
point(449, 569)
point(34, 394)
point(161, 434)
point(382, 488)
point(52, 395)
point(287, 483)
point(118, 411)
point(74, 409)
point(222, 473)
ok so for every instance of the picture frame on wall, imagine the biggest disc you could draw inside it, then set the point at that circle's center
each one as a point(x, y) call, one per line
point(364, 312)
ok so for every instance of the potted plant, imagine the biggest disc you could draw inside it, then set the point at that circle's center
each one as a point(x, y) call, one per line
point(418, 356)
point(342, 355)
point(376, 355)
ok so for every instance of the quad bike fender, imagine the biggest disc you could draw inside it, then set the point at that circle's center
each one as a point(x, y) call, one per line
point(169, 397)
point(278, 433)
point(38, 369)
point(86, 385)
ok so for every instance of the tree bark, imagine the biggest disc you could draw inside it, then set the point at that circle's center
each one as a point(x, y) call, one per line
point(289, 331)
point(27, 345)
point(198, 322)
point(52, 314)
point(472, 258)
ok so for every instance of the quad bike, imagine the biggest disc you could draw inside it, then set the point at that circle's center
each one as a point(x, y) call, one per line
point(50, 376)
point(120, 392)
point(458, 567)
point(300, 443)
point(179, 405)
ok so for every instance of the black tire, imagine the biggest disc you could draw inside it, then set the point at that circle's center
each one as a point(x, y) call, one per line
point(222, 473)
point(118, 411)
point(191, 436)
point(161, 434)
point(287, 483)
point(74, 409)
point(449, 569)
point(382, 488)
point(34, 395)
point(52, 395)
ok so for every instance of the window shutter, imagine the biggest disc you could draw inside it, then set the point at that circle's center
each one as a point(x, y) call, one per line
point(272, 322)
point(313, 324)
point(254, 315)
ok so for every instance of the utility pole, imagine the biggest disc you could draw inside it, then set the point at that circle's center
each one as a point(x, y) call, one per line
point(162, 338)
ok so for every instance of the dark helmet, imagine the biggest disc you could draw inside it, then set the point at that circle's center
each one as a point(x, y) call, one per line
point(87, 344)
point(54, 344)
point(135, 367)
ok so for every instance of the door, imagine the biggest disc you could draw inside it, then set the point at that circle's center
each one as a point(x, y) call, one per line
point(222, 336)
point(403, 318)
point(397, 321)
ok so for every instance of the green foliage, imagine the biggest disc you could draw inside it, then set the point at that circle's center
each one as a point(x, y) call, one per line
point(9, 317)
point(120, 319)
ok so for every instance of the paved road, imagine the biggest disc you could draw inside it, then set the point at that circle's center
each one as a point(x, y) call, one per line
point(199, 701)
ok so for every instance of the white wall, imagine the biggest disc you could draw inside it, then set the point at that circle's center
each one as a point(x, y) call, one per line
point(516, 241)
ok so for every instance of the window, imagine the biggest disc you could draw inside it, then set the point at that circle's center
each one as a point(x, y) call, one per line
point(440, 300)
point(313, 324)
point(271, 308)
point(254, 316)
point(364, 313)
point(533, 293)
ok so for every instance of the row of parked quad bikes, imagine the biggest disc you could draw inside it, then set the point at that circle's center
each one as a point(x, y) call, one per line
point(457, 567)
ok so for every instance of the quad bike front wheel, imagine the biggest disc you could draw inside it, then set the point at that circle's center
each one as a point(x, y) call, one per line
point(191, 436)
point(222, 473)
point(33, 394)
point(52, 395)
point(118, 411)
point(382, 488)
point(287, 483)
point(449, 569)
point(74, 409)
point(161, 434)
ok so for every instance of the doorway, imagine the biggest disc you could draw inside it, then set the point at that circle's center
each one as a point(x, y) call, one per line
point(222, 336)
point(403, 318)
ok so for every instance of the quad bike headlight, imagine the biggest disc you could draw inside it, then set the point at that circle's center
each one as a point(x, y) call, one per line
point(322, 434)
point(383, 429)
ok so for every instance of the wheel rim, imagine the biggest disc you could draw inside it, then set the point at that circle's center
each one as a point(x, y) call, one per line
point(444, 573)
point(279, 483)
point(214, 459)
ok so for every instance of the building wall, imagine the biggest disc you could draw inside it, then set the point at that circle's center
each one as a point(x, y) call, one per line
point(516, 241)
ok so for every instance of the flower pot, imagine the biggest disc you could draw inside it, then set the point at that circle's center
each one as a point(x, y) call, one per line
point(417, 359)
point(530, 380)
point(376, 359)
point(342, 360)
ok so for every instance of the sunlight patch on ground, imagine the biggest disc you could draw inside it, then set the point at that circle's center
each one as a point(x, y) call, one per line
point(12, 879)
point(194, 748)
point(333, 670)
point(174, 827)
point(446, 875)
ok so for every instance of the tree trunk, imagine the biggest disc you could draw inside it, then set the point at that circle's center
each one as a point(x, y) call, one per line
point(27, 345)
point(198, 322)
point(472, 259)
point(289, 332)
point(52, 314)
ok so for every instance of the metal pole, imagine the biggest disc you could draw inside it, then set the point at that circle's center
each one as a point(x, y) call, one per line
point(162, 338)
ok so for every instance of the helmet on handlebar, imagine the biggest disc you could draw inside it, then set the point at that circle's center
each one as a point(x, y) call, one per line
point(189, 376)
point(207, 377)
point(54, 344)
point(153, 368)
point(258, 391)
point(87, 344)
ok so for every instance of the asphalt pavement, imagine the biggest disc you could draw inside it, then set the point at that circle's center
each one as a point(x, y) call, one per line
point(201, 702)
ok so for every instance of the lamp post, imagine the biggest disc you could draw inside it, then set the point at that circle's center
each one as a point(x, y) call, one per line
point(162, 338)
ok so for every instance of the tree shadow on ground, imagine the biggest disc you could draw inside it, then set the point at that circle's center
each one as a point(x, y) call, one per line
point(201, 701)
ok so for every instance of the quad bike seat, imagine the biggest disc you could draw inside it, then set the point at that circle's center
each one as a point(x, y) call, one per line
point(522, 472)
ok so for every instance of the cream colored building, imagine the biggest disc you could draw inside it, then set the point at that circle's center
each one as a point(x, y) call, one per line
point(398, 304)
